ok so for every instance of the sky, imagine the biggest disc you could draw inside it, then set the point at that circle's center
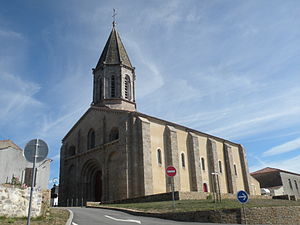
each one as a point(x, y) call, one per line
point(227, 68)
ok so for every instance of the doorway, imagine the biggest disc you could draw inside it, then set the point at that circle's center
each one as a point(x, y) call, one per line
point(98, 186)
point(204, 187)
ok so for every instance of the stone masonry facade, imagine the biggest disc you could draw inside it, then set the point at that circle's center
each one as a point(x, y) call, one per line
point(127, 166)
point(14, 202)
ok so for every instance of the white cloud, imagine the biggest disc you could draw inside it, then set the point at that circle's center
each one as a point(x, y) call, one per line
point(10, 34)
point(290, 164)
point(16, 95)
point(283, 148)
point(148, 71)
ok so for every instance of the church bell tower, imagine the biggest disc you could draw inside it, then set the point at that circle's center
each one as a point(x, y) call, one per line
point(114, 76)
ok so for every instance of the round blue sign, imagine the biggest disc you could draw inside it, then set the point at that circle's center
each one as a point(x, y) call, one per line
point(242, 196)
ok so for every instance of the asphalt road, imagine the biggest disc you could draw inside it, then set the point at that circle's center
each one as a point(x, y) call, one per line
point(92, 216)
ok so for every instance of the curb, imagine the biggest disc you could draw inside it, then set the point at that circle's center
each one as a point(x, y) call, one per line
point(69, 222)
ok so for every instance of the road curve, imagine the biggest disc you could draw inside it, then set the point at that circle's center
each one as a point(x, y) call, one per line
point(93, 216)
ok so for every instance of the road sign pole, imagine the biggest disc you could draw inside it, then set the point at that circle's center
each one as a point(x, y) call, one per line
point(244, 214)
point(171, 172)
point(242, 197)
point(32, 182)
point(173, 195)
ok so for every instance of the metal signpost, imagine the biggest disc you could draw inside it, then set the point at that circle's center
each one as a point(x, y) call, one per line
point(171, 172)
point(35, 151)
point(242, 197)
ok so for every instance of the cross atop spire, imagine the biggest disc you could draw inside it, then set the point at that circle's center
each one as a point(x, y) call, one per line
point(114, 16)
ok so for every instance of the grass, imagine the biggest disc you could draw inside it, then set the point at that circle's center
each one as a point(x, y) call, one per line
point(200, 205)
point(55, 216)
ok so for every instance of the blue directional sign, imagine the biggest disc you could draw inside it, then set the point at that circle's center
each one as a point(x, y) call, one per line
point(242, 196)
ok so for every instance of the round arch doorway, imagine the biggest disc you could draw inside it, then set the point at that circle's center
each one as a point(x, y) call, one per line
point(92, 181)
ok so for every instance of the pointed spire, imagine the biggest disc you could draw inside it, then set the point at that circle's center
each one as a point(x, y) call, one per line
point(114, 51)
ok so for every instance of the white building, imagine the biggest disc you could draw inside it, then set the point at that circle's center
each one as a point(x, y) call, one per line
point(15, 168)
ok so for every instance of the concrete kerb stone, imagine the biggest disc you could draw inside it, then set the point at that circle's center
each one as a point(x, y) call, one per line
point(69, 221)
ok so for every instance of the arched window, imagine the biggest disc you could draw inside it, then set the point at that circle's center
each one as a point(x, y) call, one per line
point(235, 171)
point(220, 166)
point(71, 150)
point(100, 89)
point(127, 88)
point(290, 183)
point(203, 163)
point(112, 87)
point(296, 185)
point(91, 139)
point(159, 156)
point(182, 160)
point(114, 134)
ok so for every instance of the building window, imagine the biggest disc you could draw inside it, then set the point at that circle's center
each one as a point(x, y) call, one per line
point(100, 88)
point(112, 87)
point(235, 171)
point(220, 166)
point(203, 163)
point(71, 150)
point(159, 156)
point(91, 139)
point(127, 88)
point(182, 160)
point(290, 183)
point(296, 185)
point(114, 134)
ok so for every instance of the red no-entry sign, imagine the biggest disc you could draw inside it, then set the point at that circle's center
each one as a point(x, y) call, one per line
point(171, 171)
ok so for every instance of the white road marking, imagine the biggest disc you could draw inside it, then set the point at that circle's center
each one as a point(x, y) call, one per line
point(130, 221)
point(74, 223)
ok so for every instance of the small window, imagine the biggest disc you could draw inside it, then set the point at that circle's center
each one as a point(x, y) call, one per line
point(235, 171)
point(100, 88)
point(220, 166)
point(71, 151)
point(290, 183)
point(203, 163)
point(159, 156)
point(112, 87)
point(127, 88)
point(296, 185)
point(114, 134)
point(91, 139)
point(182, 160)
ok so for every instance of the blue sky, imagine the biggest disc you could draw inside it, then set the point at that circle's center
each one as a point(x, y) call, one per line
point(228, 68)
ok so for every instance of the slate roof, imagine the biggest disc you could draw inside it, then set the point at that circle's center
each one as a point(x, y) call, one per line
point(4, 144)
point(270, 170)
point(114, 52)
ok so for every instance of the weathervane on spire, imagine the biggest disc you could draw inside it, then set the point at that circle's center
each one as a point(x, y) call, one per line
point(114, 16)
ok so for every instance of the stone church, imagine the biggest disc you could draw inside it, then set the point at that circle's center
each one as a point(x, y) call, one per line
point(114, 152)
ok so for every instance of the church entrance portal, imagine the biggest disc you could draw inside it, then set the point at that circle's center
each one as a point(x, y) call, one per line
point(92, 181)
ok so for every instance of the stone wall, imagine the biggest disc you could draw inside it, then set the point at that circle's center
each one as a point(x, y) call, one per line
point(179, 195)
point(14, 201)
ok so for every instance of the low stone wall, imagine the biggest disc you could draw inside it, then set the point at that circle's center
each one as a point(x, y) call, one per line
point(147, 198)
point(273, 215)
point(14, 201)
point(179, 195)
